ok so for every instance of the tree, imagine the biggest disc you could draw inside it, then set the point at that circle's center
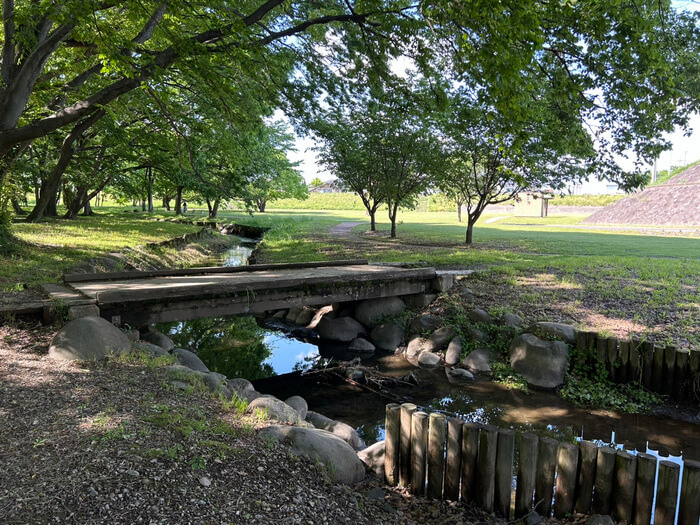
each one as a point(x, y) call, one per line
point(269, 173)
point(316, 182)
point(490, 161)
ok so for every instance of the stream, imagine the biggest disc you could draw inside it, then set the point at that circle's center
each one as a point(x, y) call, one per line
point(280, 360)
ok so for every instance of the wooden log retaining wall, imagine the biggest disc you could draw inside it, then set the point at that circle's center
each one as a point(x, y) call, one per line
point(658, 368)
point(452, 459)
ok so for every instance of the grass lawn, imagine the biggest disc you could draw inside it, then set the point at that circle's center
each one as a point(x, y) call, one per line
point(622, 282)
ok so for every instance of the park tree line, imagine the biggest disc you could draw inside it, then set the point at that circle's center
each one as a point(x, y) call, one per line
point(163, 100)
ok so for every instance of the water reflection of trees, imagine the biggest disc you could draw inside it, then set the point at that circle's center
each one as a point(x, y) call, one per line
point(232, 346)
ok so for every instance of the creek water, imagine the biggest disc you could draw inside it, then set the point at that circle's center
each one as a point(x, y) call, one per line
point(284, 361)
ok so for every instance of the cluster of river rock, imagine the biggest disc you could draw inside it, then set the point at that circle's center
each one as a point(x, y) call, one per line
point(539, 353)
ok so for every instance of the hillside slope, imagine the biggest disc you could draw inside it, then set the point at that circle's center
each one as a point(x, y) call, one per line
point(675, 203)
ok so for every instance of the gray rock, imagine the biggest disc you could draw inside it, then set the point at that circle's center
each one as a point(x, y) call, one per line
point(158, 339)
point(387, 336)
point(439, 339)
point(454, 349)
point(477, 315)
point(420, 300)
point(428, 360)
point(340, 429)
point(479, 361)
point(79, 311)
point(190, 360)
point(293, 314)
point(361, 346)
point(460, 374)
point(215, 383)
point(241, 385)
point(355, 374)
point(343, 329)
point(370, 312)
point(533, 519)
point(373, 457)
point(280, 314)
point(275, 409)
point(600, 519)
point(542, 363)
point(560, 331)
point(423, 324)
point(467, 295)
point(204, 481)
point(151, 350)
point(475, 334)
point(305, 316)
point(109, 264)
point(415, 346)
point(133, 335)
point(512, 320)
point(299, 404)
point(88, 338)
point(341, 461)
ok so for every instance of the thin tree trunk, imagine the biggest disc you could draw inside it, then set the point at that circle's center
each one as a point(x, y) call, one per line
point(17, 208)
point(470, 229)
point(149, 183)
point(87, 209)
point(393, 211)
point(214, 210)
point(459, 211)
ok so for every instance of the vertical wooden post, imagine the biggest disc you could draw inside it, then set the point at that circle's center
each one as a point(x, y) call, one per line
point(391, 450)
point(586, 476)
point(527, 468)
point(453, 458)
point(635, 368)
point(644, 495)
point(669, 369)
point(407, 410)
point(604, 473)
point(486, 468)
point(505, 453)
point(624, 358)
point(693, 369)
point(689, 509)
point(601, 346)
point(657, 370)
point(567, 471)
point(436, 455)
point(624, 484)
point(613, 359)
point(470, 449)
point(419, 445)
point(544, 483)
point(667, 492)
point(682, 362)
point(647, 363)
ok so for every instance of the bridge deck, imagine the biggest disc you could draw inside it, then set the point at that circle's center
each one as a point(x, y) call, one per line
point(139, 299)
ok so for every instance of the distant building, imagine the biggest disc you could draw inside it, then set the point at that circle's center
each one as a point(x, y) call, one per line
point(331, 186)
point(532, 204)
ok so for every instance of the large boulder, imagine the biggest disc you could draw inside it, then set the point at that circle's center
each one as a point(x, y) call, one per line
point(340, 460)
point(424, 324)
point(243, 389)
point(190, 360)
point(370, 312)
point(361, 346)
point(88, 338)
point(479, 361)
point(299, 404)
point(338, 428)
point(428, 360)
point(158, 339)
point(415, 346)
point(387, 336)
point(454, 349)
point(274, 409)
point(560, 331)
point(439, 339)
point(477, 315)
point(373, 457)
point(343, 329)
point(460, 375)
point(542, 363)
point(512, 320)
point(150, 349)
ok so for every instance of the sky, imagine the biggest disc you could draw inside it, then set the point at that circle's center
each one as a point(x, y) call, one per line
point(685, 149)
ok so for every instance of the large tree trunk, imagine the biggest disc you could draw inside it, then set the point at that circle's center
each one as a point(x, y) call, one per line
point(261, 203)
point(87, 209)
point(470, 230)
point(178, 200)
point(53, 181)
point(166, 202)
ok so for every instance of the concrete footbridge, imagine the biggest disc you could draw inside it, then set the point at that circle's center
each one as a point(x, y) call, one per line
point(138, 298)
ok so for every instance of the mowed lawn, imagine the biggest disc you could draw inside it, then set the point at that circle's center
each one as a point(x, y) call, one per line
point(644, 283)
point(625, 283)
